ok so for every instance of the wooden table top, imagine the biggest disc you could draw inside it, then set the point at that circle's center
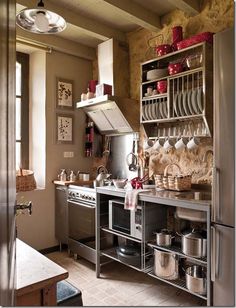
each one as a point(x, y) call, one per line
point(34, 270)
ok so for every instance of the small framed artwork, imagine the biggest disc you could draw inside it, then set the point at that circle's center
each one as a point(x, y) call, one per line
point(64, 128)
point(64, 93)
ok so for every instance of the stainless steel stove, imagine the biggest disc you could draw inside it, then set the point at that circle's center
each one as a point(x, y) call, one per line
point(81, 220)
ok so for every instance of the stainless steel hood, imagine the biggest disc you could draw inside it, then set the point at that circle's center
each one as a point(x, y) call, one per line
point(116, 114)
point(112, 115)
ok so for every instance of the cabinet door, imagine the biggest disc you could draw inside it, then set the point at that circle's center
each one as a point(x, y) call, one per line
point(223, 265)
point(61, 214)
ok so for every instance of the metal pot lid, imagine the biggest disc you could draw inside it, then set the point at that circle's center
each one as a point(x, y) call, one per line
point(164, 231)
point(194, 234)
point(129, 250)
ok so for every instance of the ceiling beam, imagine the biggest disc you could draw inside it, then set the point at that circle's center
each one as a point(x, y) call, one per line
point(137, 14)
point(58, 43)
point(90, 26)
point(191, 7)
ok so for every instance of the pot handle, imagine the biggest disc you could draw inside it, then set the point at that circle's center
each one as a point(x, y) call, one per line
point(179, 234)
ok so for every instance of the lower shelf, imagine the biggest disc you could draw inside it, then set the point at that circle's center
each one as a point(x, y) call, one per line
point(179, 283)
point(111, 253)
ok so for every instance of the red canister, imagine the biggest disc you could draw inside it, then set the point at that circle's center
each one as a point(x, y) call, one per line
point(177, 36)
point(92, 85)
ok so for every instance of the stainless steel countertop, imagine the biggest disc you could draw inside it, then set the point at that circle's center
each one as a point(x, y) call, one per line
point(173, 198)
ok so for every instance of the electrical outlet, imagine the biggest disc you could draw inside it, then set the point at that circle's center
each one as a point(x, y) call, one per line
point(68, 154)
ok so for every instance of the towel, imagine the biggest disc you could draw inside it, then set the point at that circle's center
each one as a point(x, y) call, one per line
point(131, 198)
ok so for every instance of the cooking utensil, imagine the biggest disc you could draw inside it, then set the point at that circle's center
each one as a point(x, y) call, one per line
point(194, 243)
point(164, 237)
point(119, 183)
point(129, 254)
point(196, 279)
point(134, 160)
point(166, 265)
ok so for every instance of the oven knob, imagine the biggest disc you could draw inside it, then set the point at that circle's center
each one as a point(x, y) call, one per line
point(73, 194)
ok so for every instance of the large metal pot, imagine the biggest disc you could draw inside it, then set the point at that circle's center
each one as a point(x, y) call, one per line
point(196, 279)
point(164, 237)
point(166, 265)
point(194, 243)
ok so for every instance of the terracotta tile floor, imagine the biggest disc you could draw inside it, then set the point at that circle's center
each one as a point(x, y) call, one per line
point(120, 285)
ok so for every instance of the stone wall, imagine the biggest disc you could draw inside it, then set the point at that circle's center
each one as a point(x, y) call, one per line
point(215, 16)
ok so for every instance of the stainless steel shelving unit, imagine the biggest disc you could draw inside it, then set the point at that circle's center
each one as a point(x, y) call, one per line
point(147, 244)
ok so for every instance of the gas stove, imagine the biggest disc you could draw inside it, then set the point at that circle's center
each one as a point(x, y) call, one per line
point(81, 193)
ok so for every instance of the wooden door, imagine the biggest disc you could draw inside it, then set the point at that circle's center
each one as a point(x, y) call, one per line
point(7, 152)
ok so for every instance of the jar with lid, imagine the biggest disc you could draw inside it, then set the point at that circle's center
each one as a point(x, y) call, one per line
point(72, 176)
point(62, 176)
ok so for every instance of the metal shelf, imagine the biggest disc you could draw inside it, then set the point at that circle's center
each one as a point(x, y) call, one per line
point(111, 253)
point(177, 250)
point(179, 283)
point(121, 234)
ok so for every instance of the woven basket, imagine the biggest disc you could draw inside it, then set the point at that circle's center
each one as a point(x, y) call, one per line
point(177, 182)
point(25, 180)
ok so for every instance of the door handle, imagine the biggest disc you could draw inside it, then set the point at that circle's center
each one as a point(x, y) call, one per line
point(216, 194)
point(215, 253)
point(24, 206)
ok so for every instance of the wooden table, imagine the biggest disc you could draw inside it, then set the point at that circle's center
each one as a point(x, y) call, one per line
point(36, 278)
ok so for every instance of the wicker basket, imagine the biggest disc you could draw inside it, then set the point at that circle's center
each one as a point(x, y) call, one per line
point(173, 182)
point(25, 180)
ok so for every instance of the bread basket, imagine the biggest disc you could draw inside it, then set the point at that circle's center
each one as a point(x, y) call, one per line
point(25, 180)
point(177, 182)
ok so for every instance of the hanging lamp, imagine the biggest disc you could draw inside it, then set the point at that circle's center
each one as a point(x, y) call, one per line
point(40, 20)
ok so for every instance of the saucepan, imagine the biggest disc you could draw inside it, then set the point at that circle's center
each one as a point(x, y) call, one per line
point(196, 279)
point(164, 237)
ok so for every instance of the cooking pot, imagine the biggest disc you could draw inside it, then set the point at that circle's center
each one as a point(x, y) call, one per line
point(166, 265)
point(196, 279)
point(129, 254)
point(163, 49)
point(164, 237)
point(194, 243)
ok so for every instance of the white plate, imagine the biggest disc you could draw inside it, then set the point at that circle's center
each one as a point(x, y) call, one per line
point(181, 110)
point(194, 101)
point(185, 105)
point(164, 109)
point(161, 111)
point(144, 113)
point(190, 102)
point(199, 100)
point(176, 105)
point(157, 110)
point(153, 111)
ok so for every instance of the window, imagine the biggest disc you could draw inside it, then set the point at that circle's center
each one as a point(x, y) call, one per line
point(22, 110)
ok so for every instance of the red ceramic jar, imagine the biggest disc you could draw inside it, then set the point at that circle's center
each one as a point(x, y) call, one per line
point(162, 86)
point(175, 68)
point(163, 49)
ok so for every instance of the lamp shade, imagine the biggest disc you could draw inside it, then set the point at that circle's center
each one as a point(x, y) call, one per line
point(40, 21)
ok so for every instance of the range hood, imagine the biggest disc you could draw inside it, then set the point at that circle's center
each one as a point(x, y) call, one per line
point(113, 114)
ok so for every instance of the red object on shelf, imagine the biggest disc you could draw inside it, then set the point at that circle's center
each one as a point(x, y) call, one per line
point(177, 36)
point(198, 38)
point(137, 183)
point(103, 89)
point(162, 86)
point(175, 68)
point(92, 85)
point(163, 49)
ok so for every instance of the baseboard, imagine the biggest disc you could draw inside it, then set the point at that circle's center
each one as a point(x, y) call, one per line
point(52, 249)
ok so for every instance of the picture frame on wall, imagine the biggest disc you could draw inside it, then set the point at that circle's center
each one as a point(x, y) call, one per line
point(64, 128)
point(64, 94)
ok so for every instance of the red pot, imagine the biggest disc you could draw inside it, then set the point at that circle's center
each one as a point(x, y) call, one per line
point(163, 49)
point(162, 86)
point(175, 68)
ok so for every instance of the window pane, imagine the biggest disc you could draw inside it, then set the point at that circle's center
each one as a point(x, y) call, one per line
point(18, 78)
point(18, 118)
point(18, 155)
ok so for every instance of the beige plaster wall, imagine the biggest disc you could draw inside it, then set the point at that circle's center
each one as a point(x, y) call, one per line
point(215, 16)
point(38, 230)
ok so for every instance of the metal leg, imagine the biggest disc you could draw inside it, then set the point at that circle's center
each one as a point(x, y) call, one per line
point(97, 227)
point(208, 258)
point(60, 245)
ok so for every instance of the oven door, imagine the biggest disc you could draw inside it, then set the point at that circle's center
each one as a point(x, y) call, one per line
point(81, 220)
point(119, 218)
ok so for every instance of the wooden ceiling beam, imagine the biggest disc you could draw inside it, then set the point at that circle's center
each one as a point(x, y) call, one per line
point(58, 43)
point(90, 26)
point(137, 14)
point(191, 7)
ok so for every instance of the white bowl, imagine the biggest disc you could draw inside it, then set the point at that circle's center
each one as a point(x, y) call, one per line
point(119, 183)
point(157, 73)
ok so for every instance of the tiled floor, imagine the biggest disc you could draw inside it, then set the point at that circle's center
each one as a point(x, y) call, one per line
point(120, 285)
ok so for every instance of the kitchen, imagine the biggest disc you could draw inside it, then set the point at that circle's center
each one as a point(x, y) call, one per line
point(84, 61)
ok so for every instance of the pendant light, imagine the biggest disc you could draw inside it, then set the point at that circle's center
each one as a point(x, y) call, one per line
point(40, 20)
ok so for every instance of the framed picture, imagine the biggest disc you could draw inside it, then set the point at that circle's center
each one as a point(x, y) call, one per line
point(64, 128)
point(64, 93)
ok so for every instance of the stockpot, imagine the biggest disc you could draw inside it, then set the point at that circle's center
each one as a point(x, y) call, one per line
point(164, 237)
point(166, 265)
point(196, 279)
point(194, 243)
